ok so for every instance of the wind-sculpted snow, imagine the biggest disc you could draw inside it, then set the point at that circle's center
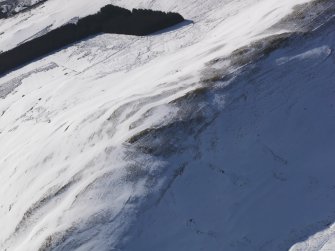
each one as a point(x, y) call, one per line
point(175, 141)
point(258, 175)
point(8, 87)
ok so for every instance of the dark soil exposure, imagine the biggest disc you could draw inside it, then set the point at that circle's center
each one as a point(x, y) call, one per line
point(110, 19)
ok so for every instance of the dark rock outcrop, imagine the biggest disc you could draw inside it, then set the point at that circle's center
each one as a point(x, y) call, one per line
point(110, 19)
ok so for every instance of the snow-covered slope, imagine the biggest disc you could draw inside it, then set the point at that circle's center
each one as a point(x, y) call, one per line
point(259, 175)
point(169, 142)
point(13, 7)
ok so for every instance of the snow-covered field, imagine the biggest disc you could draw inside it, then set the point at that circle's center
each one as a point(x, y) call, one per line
point(171, 142)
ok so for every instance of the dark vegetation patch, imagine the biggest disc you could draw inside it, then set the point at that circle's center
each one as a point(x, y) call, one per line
point(110, 19)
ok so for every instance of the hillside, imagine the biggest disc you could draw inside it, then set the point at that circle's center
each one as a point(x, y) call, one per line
point(214, 134)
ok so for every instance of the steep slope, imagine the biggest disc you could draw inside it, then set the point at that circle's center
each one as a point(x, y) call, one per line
point(175, 141)
point(259, 174)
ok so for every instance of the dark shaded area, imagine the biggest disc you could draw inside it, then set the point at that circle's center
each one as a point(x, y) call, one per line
point(110, 19)
point(141, 22)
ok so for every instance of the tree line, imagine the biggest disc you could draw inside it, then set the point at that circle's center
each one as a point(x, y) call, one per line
point(110, 19)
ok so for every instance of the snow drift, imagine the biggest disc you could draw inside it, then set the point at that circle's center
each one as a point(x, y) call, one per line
point(218, 135)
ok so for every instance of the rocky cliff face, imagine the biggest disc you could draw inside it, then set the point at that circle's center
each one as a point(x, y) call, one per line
point(217, 134)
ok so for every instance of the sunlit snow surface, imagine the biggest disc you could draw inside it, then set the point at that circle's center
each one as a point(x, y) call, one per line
point(105, 146)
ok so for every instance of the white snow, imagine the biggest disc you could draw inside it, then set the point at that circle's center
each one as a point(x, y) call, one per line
point(322, 241)
point(69, 180)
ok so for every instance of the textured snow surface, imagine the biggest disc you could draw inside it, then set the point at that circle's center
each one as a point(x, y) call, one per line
point(260, 175)
point(110, 144)
point(16, 5)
